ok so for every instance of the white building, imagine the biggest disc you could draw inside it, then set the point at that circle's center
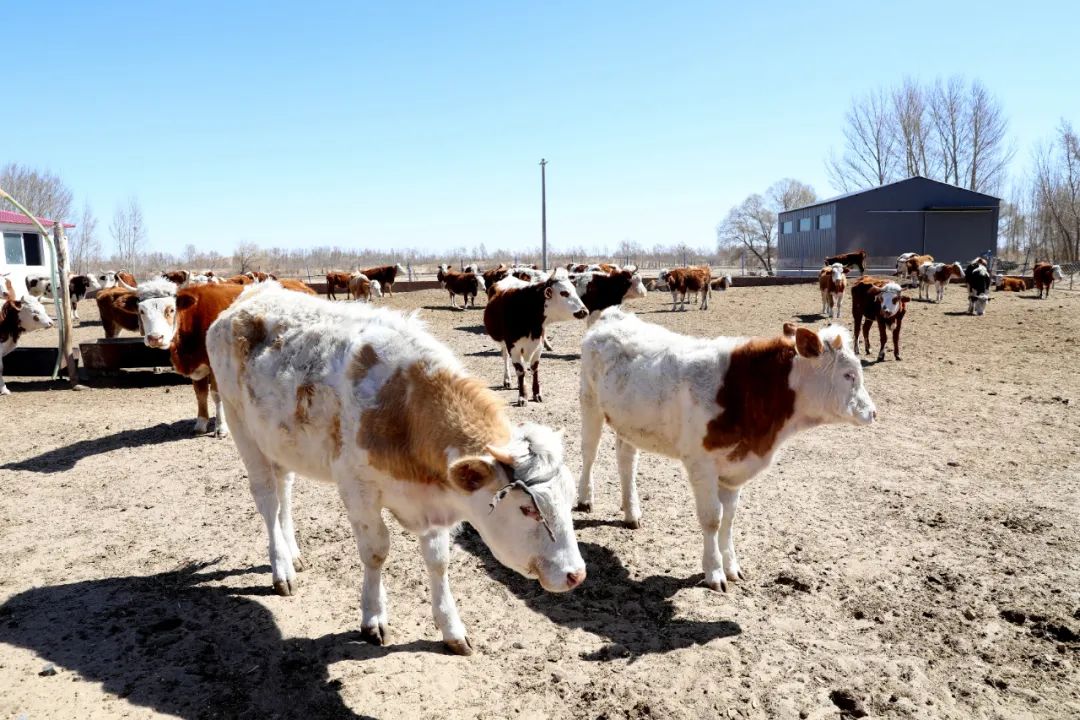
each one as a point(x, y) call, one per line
point(25, 251)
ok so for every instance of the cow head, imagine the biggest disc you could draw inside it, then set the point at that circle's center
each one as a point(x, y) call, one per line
point(376, 289)
point(520, 497)
point(31, 312)
point(561, 300)
point(828, 377)
point(637, 285)
point(837, 272)
point(978, 302)
point(957, 270)
point(107, 280)
point(1057, 272)
point(399, 267)
point(892, 299)
point(155, 302)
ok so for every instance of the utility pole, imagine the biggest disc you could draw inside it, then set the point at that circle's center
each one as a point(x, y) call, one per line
point(543, 215)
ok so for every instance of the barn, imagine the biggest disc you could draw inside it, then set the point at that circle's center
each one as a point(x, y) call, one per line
point(25, 251)
point(912, 215)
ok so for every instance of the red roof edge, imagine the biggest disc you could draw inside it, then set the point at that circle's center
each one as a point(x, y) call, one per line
point(14, 218)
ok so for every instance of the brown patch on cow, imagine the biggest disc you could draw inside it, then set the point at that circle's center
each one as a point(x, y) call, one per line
point(304, 395)
point(420, 413)
point(755, 397)
point(249, 331)
point(362, 362)
point(335, 434)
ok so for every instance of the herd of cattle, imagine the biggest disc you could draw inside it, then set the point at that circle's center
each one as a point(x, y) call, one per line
point(367, 398)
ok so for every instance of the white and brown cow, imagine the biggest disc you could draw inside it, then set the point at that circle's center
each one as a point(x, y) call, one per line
point(832, 282)
point(602, 290)
point(363, 288)
point(723, 406)
point(366, 398)
point(337, 280)
point(20, 312)
point(684, 280)
point(517, 318)
point(938, 275)
point(386, 275)
point(467, 284)
point(882, 301)
point(1045, 274)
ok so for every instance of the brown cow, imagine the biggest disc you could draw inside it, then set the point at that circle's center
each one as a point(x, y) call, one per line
point(466, 284)
point(850, 260)
point(882, 300)
point(493, 276)
point(1012, 284)
point(688, 280)
point(124, 276)
point(260, 276)
point(239, 280)
point(599, 290)
point(297, 286)
point(180, 277)
point(832, 282)
point(913, 263)
point(336, 280)
point(119, 310)
point(576, 267)
point(386, 275)
point(1045, 274)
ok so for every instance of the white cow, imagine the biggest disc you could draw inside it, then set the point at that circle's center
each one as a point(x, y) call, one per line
point(832, 281)
point(368, 399)
point(722, 406)
point(157, 310)
point(937, 274)
point(19, 312)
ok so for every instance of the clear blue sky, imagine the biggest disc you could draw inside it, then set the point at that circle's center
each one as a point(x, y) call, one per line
point(421, 124)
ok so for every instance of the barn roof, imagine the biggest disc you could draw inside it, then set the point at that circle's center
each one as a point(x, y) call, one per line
point(8, 217)
point(916, 178)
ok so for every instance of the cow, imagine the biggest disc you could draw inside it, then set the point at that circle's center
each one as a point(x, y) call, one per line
point(20, 312)
point(938, 275)
point(177, 277)
point(849, 260)
point(126, 277)
point(517, 318)
point(79, 286)
point(295, 285)
point(1045, 274)
point(832, 282)
point(881, 300)
point(242, 279)
point(154, 303)
point(260, 276)
point(118, 309)
point(493, 276)
point(386, 275)
point(576, 267)
point(978, 282)
point(686, 280)
point(1011, 284)
point(722, 283)
point(912, 265)
point(722, 406)
point(367, 399)
point(603, 290)
point(361, 288)
point(467, 284)
point(107, 279)
point(337, 281)
point(528, 273)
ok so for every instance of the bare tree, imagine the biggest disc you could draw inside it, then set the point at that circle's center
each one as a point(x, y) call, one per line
point(83, 245)
point(870, 149)
point(751, 225)
point(788, 194)
point(247, 257)
point(988, 150)
point(128, 230)
point(43, 193)
point(1057, 183)
point(913, 129)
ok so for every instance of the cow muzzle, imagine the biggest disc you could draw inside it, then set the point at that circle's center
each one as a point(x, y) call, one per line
point(581, 314)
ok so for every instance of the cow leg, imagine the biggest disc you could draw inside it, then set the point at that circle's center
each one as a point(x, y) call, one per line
point(729, 500)
point(435, 546)
point(858, 324)
point(506, 367)
point(535, 368)
point(867, 322)
point(825, 304)
point(221, 427)
point(896, 338)
point(881, 337)
point(264, 488)
point(707, 499)
point(674, 299)
point(373, 543)
point(3, 388)
point(839, 297)
point(202, 414)
point(519, 368)
point(592, 426)
point(546, 342)
point(705, 296)
point(284, 490)
point(626, 456)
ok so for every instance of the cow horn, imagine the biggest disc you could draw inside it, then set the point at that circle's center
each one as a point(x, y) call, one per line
point(121, 283)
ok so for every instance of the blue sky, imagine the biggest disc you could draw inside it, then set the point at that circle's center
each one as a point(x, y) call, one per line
point(421, 124)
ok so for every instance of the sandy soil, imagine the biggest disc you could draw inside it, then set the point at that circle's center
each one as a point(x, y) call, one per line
point(924, 567)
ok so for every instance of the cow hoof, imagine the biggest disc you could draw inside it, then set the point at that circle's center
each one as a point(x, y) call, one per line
point(735, 575)
point(298, 564)
point(460, 647)
point(632, 524)
point(521, 402)
point(717, 585)
point(4, 390)
point(376, 635)
point(506, 385)
point(201, 425)
point(881, 358)
point(537, 398)
point(583, 507)
point(897, 358)
point(285, 588)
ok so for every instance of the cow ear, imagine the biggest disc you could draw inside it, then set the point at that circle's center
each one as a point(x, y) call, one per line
point(905, 299)
point(836, 343)
point(807, 343)
point(469, 474)
point(131, 302)
point(789, 330)
point(185, 302)
point(874, 290)
point(549, 292)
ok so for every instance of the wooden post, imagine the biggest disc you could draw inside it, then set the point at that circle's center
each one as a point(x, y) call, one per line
point(66, 331)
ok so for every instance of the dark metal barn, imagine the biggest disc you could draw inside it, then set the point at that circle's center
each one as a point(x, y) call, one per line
point(913, 215)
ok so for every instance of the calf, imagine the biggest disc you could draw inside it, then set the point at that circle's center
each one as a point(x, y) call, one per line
point(79, 286)
point(938, 275)
point(493, 276)
point(368, 399)
point(723, 406)
point(600, 290)
point(722, 283)
point(119, 310)
point(107, 279)
point(1011, 284)
point(466, 284)
point(978, 282)
point(336, 281)
point(361, 288)
point(881, 300)
point(686, 280)
point(831, 282)
point(517, 318)
point(122, 276)
point(849, 260)
point(912, 265)
point(386, 275)
point(19, 313)
point(1045, 275)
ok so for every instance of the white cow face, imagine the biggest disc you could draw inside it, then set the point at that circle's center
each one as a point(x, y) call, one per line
point(837, 271)
point(376, 289)
point(978, 302)
point(892, 300)
point(1057, 272)
point(831, 384)
point(561, 301)
point(157, 318)
point(32, 315)
point(107, 280)
point(637, 288)
point(530, 491)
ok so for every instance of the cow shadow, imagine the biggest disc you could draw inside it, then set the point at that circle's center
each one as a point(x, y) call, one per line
point(65, 458)
point(811, 317)
point(447, 308)
point(636, 617)
point(955, 313)
point(173, 643)
point(474, 329)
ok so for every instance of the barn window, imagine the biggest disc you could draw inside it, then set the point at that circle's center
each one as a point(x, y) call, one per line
point(13, 249)
point(806, 224)
point(824, 222)
point(32, 246)
point(788, 227)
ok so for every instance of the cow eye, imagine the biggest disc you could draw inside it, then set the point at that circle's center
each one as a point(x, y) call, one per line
point(850, 376)
point(531, 512)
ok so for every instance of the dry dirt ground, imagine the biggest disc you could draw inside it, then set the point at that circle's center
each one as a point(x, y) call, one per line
point(924, 567)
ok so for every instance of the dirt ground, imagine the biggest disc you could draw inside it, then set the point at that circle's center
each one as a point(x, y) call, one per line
point(926, 566)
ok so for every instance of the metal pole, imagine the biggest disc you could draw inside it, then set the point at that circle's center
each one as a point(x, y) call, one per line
point(543, 215)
